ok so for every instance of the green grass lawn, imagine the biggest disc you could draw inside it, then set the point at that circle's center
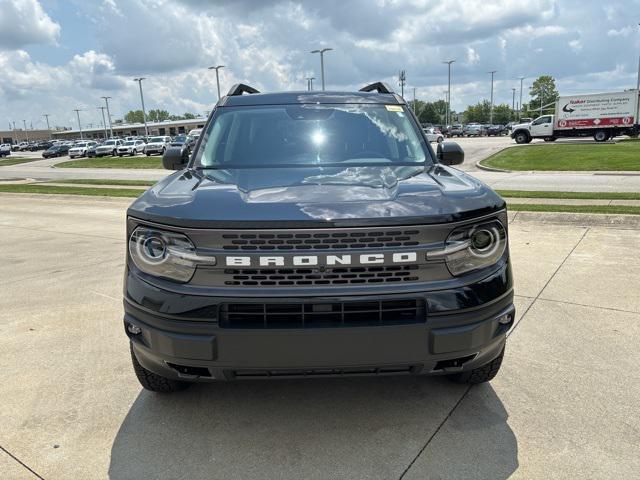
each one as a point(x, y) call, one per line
point(99, 181)
point(5, 161)
point(574, 195)
point(589, 157)
point(56, 190)
point(114, 162)
point(610, 209)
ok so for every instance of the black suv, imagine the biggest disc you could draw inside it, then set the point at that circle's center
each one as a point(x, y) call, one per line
point(316, 234)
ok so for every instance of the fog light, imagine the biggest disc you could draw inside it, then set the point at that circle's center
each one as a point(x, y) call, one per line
point(505, 319)
point(133, 329)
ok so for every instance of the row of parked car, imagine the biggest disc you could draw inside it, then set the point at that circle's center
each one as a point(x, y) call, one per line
point(129, 146)
point(469, 130)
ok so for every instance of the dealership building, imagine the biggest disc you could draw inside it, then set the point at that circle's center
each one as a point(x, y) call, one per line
point(168, 127)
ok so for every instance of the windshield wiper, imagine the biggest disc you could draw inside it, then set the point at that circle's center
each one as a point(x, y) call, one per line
point(310, 165)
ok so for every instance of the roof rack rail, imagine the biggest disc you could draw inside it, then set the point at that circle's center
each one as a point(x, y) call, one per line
point(240, 88)
point(379, 87)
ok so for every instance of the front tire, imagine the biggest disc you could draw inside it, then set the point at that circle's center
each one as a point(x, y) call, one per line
point(154, 382)
point(480, 374)
point(522, 137)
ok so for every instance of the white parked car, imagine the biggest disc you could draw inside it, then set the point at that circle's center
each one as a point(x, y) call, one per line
point(23, 146)
point(433, 135)
point(157, 145)
point(110, 147)
point(131, 147)
point(5, 149)
point(80, 149)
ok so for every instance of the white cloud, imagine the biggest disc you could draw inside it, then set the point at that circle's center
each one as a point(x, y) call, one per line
point(472, 56)
point(621, 32)
point(24, 22)
point(575, 45)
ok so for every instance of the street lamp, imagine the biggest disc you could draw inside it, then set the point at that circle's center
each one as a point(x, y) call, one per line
point(321, 52)
point(46, 115)
point(104, 123)
point(310, 83)
point(513, 100)
point(26, 134)
point(106, 101)
point(520, 105)
point(77, 110)
point(216, 68)
point(447, 119)
point(144, 114)
point(492, 72)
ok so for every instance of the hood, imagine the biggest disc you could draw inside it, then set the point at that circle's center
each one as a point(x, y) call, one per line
point(521, 125)
point(298, 198)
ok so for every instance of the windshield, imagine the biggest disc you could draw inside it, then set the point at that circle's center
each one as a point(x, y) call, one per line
point(129, 143)
point(180, 138)
point(311, 135)
point(110, 142)
point(156, 139)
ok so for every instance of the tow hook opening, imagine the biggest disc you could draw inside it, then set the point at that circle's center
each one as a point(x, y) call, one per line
point(453, 364)
point(189, 371)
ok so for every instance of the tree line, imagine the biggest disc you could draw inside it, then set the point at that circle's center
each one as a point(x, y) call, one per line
point(155, 115)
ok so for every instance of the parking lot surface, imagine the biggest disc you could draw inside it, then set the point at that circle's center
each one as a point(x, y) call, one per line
point(565, 404)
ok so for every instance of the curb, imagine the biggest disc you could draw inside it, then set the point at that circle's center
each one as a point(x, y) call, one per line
point(491, 169)
point(620, 221)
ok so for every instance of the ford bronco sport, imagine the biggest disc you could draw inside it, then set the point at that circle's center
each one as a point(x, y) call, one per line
point(316, 234)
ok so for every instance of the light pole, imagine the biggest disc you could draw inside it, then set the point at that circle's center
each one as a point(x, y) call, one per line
point(492, 72)
point(321, 52)
point(26, 134)
point(541, 97)
point(77, 110)
point(217, 68)
point(520, 105)
point(144, 114)
point(414, 100)
point(447, 119)
point(106, 101)
point(104, 123)
point(46, 115)
point(513, 100)
point(310, 83)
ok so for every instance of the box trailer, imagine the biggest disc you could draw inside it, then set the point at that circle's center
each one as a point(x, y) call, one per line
point(601, 115)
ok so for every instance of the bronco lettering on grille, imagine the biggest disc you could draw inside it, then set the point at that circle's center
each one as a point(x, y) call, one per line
point(316, 260)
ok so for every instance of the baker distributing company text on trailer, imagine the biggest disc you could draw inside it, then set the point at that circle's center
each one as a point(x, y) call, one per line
point(601, 115)
point(588, 111)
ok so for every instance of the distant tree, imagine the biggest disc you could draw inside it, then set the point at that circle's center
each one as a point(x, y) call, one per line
point(543, 92)
point(188, 116)
point(157, 115)
point(134, 116)
point(479, 112)
point(502, 114)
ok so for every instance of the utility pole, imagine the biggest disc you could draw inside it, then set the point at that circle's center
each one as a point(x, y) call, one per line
point(310, 83)
point(402, 80)
point(520, 104)
point(106, 101)
point(144, 114)
point(217, 68)
point(541, 97)
point(104, 123)
point(513, 101)
point(414, 100)
point(46, 115)
point(26, 134)
point(491, 110)
point(321, 52)
point(79, 126)
point(448, 116)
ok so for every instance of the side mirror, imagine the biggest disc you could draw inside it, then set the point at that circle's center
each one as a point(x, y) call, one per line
point(450, 153)
point(175, 159)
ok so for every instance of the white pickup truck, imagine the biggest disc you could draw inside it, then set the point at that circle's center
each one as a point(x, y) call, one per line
point(601, 115)
point(5, 149)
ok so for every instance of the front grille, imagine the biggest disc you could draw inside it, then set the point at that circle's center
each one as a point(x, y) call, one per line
point(316, 241)
point(331, 276)
point(322, 314)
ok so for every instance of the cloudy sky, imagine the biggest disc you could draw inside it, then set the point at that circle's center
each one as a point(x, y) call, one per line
point(57, 55)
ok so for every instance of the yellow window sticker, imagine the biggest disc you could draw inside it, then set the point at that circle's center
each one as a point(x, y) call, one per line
point(394, 108)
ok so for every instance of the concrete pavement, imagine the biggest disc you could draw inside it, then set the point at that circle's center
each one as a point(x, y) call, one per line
point(475, 149)
point(564, 405)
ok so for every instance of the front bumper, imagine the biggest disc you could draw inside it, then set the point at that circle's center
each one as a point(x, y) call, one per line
point(149, 149)
point(449, 340)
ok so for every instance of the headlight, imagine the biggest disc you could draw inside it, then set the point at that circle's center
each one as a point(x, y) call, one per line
point(165, 254)
point(473, 247)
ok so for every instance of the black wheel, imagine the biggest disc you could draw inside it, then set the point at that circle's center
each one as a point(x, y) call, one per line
point(601, 136)
point(481, 374)
point(153, 382)
point(522, 137)
point(549, 139)
point(148, 154)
